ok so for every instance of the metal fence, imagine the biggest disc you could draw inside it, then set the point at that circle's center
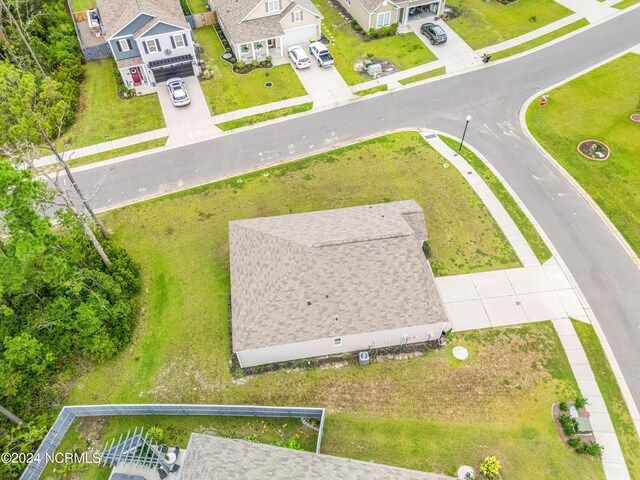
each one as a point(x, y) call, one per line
point(59, 428)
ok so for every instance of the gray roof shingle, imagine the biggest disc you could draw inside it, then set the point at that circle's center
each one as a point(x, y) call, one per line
point(210, 457)
point(231, 13)
point(363, 265)
point(115, 14)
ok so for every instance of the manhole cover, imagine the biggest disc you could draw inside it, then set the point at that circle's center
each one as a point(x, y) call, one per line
point(465, 472)
point(460, 353)
point(268, 84)
point(227, 56)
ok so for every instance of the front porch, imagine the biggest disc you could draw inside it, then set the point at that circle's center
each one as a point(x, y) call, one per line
point(136, 76)
point(260, 50)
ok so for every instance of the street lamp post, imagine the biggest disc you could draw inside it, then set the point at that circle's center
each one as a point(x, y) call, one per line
point(468, 119)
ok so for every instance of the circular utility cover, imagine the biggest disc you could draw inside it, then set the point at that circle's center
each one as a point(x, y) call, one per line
point(465, 471)
point(268, 84)
point(460, 353)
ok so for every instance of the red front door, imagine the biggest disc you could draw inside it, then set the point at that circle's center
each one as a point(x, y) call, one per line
point(135, 75)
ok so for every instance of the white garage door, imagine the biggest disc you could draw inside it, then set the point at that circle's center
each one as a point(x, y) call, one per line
point(299, 35)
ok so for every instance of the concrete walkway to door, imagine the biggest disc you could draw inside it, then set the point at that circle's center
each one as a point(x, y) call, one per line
point(190, 122)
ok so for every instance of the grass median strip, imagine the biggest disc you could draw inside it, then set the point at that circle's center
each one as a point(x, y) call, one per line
point(617, 407)
point(625, 3)
point(423, 76)
point(263, 117)
point(540, 40)
point(369, 91)
point(525, 226)
point(118, 152)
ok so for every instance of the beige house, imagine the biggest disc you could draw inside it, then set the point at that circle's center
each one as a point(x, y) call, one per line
point(383, 13)
point(260, 28)
point(331, 282)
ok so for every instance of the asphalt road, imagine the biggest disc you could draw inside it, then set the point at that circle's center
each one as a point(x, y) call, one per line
point(493, 96)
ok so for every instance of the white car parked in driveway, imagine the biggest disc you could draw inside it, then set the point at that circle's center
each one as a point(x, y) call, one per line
point(299, 57)
point(178, 92)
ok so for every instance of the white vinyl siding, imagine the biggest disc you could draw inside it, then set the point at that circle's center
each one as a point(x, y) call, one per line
point(383, 19)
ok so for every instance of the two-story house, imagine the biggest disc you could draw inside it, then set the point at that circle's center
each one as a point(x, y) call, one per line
point(383, 13)
point(150, 40)
point(259, 28)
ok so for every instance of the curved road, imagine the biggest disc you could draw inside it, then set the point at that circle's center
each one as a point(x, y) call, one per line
point(493, 96)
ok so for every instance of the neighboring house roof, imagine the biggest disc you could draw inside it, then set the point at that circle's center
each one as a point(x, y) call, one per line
point(232, 13)
point(116, 14)
point(129, 62)
point(216, 457)
point(363, 265)
point(373, 5)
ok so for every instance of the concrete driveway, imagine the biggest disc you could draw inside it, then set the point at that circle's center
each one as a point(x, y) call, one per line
point(192, 121)
point(324, 85)
point(455, 54)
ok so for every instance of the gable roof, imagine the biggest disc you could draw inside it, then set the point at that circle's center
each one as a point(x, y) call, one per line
point(117, 14)
point(292, 275)
point(233, 12)
point(372, 5)
point(208, 456)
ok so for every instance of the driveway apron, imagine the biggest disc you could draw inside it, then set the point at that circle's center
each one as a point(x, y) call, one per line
point(324, 85)
point(455, 54)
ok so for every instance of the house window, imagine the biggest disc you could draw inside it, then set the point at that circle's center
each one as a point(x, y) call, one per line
point(337, 341)
point(348, 2)
point(271, 43)
point(297, 16)
point(178, 40)
point(124, 45)
point(273, 5)
point(384, 20)
point(152, 46)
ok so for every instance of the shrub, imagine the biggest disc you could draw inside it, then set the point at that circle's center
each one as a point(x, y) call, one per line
point(228, 50)
point(581, 402)
point(383, 32)
point(240, 65)
point(156, 434)
point(372, 33)
point(574, 442)
point(369, 55)
point(533, 19)
point(569, 424)
point(255, 64)
point(490, 467)
point(426, 249)
point(590, 448)
point(358, 27)
point(233, 59)
point(393, 29)
point(354, 21)
point(269, 58)
point(564, 406)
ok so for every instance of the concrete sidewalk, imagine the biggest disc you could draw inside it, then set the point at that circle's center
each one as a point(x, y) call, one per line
point(613, 462)
point(592, 10)
point(247, 112)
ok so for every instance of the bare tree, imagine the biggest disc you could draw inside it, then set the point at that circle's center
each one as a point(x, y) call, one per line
point(12, 417)
point(4, 7)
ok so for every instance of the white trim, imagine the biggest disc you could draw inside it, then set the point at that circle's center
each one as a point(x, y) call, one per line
point(179, 35)
point(383, 4)
point(155, 46)
point(296, 16)
point(378, 24)
point(165, 33)
point(278, 6)
point(123, 45)
point(115, 35)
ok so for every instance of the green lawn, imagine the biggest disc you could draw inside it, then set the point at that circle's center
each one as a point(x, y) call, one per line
point(483, 23)
point(263, 117)
point(369, 91)
point(517, 215)
point(617, 407)
point(625, 4)
point(581, 110)
point(103, 116)
point(82, 5)
point(118, 152)
point(423, 76)
point(405, 51)
point(198, 6)
point(227, 91)
point(541, 40)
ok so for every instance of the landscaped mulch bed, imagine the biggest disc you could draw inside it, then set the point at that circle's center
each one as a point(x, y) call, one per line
point(582, 412)
point(594, 150)
point(358, 30)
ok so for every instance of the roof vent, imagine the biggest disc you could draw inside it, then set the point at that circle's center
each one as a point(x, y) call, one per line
point(336, 319)
point(308, 302)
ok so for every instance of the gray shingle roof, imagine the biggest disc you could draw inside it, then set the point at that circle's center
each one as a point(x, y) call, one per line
point(231, 13)
point(115, 14)
point(210, 457)
point(363, 265)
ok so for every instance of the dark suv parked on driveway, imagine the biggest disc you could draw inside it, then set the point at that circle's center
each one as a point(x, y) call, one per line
point(433, 32)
